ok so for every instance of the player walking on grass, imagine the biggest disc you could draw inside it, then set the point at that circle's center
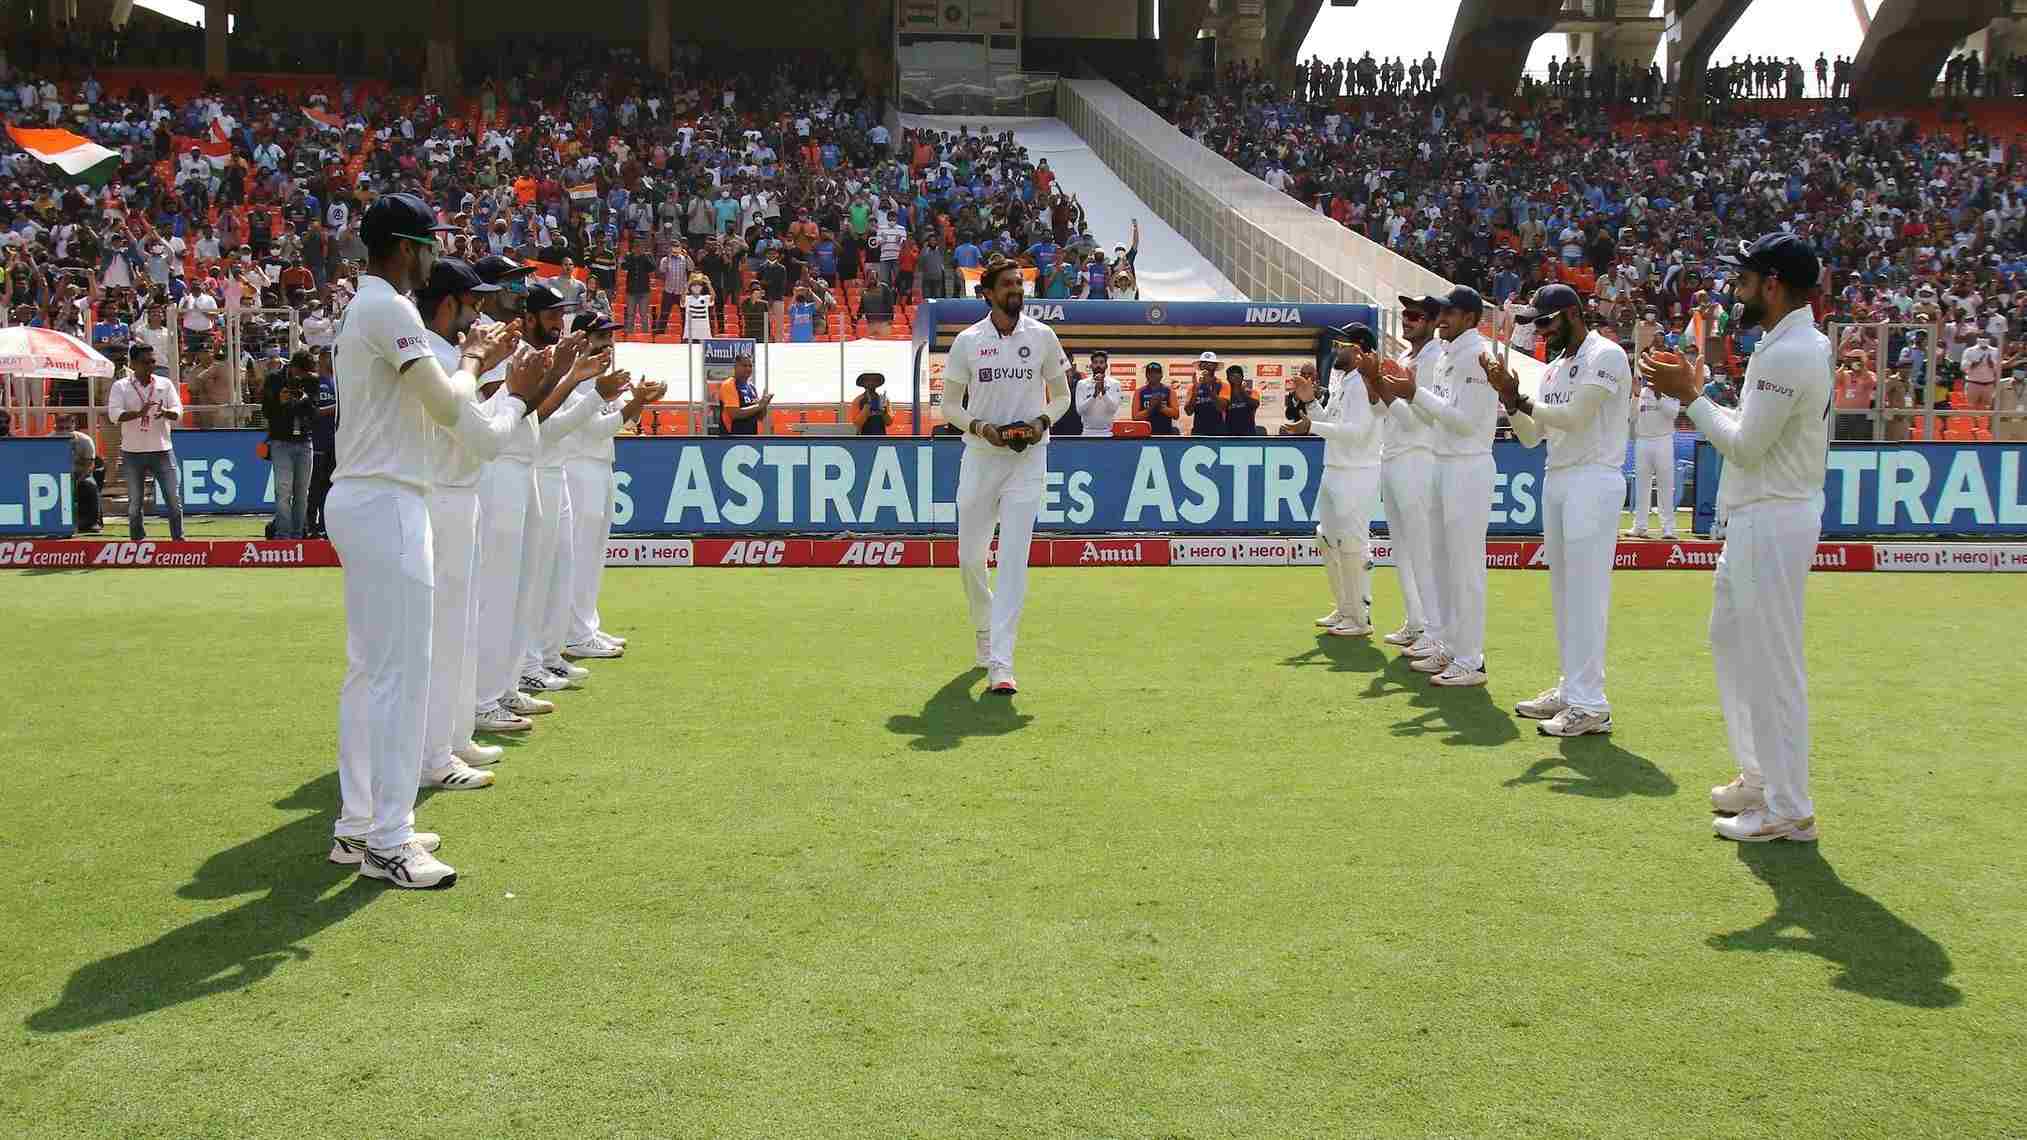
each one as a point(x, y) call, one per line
point(1581, 411)
point(392, 389)
point(1348, 422)
point(1407, 476)
point(1775, 448)
point(1462, 410)
point(1004, 384)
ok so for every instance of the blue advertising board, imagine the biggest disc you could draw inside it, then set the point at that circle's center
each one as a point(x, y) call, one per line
point(1905, 488)
point(35, 491)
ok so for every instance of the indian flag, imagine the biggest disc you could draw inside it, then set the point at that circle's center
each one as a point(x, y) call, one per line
point(324, 119)
point(583, 193)
point(81, 159)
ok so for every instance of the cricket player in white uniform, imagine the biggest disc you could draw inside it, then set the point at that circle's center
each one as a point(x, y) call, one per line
point(1408, 476)
point(587, 470)
point(1775, 448)
point(1348, 422)
point(1003, 385)
point(580, 545)
point(1654, 459)
point(393, 391)
point(1581, 412)
point(1463, 410)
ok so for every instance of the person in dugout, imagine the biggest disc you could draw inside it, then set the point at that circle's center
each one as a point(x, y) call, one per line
point(871, 412)
point(1244, 405)
point(741, 407)
point(1208, 398)
point(1155, 402)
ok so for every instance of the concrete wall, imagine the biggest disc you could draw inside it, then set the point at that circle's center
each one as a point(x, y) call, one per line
point(1082, 19)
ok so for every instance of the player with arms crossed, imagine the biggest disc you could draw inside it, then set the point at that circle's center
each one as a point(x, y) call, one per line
point(1775, 448)
point(1581, 411)
point(1348, 422)
point(1003, 385)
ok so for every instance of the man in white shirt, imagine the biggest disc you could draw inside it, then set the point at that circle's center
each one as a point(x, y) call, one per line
point(395, 394)
point(1004, 371)
point(1981, 376)
point(587, 471)
point(1408, 480)
point(1775, 448)
point(1098, 397)
point(1349, 421)
point(145, 406)
point(1581, 412)
point(1462, 410)
point(1654, 477)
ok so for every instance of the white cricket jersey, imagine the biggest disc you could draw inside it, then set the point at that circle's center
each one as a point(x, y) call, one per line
point(593, 441)
point(527, 434)
point(1002, 378)
point(1405, 433)
point(1654, 415)
point(1600, 441)
point(384, 432)
point(483, 428)
point(559, 431)
point(1776, 443)
point(1459, 403)
point(1348, 422)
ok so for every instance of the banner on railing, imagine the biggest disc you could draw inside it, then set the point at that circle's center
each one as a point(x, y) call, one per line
point(35, 491)
point(1905, 488)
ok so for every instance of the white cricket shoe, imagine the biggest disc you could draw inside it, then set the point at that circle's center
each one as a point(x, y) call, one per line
point(1548, 704)
point(1423, 646)
point(1433, 663)
point(1405, 636)
point(612, 639)
point(592, 648)
point(1330, 619)
point(493, 718)
point(539, 681)
point(1758, 825)
point(1349, 628)
point(1575, 722)
point(1670, 536)
point(521, 704)
point(409, 866)
point(472, 752)
point(1000, 679)
point(1737, 796)
point(457, 776)
point(1455, 676)
point(350, 850)
point(568, 673)
point(984, 657)
point(1637, 532)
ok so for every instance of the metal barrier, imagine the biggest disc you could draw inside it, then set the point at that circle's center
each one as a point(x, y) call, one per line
point(980, 91)
point(1904, 406)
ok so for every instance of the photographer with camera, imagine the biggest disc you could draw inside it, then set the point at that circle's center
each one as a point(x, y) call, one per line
point(289, 400)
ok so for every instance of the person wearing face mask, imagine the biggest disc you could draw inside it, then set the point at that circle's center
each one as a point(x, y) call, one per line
point(1581, 412)
point(1775, 448)
point(395, 393)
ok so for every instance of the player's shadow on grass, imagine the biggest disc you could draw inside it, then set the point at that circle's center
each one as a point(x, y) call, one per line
point(1463, 716)
point(1594, 766)
point(229, 951)
point(952, 713)
point(1815, 912)
point(1342, 654)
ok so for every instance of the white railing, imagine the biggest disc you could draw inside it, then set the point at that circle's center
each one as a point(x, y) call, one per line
point(1266, 243)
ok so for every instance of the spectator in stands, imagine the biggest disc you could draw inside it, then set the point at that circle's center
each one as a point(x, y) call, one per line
point(84, 476)
point(289, 401)
point(675, 269)
point(753, 313)
point(324, 435)
point(640, 269)
point(871, 412)
point(876, 307)
point(146, 406)
point(1155, 402)
point(1097, 398)
point(741, 406)
point(209, 378)
point(1853, 395)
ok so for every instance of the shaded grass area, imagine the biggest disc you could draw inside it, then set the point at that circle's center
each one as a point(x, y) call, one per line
point(785, 871)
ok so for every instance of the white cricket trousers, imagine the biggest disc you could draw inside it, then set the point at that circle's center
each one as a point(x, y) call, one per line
point(996, 487)
point(562, 587)
point(540, 535)
point(453, 660)
point(1756, 644)
point(1580, 536)
point(381, 531)
point(505, 492)
point(590, 483)
point(1344, 505)
point(1409, 484)
point(1461, 509)
point(1654, 477)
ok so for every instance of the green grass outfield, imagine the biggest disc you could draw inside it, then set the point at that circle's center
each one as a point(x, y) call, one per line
point(782, 872)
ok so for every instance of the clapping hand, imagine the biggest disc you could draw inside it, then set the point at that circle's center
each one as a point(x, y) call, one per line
point(490, 344)
point(1670, 375)
point(612, 384)
point(529, 374)
point(1502, 379)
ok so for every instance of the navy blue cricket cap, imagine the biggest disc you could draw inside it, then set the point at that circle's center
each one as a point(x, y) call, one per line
point(400, 215)
point(1358, 333)
point(1464, 299)
point(1552, 299)
point(496, 268)
point(453, 275)
point(1428, 306)
point(592, 321)
point(1779, 255)
point(541, 298)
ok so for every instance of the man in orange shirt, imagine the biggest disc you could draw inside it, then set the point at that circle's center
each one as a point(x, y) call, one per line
point(741, 407)
point(803, 232)
point(1853, 396)
point(524, 190)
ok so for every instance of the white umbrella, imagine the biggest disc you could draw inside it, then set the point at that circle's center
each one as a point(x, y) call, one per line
point(34, 352)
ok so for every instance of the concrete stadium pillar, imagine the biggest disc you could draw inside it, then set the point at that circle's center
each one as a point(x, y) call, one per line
point(217, 20)
point(1288, 24)
point(1490, 41)
point(440, 65)
point(1694, 29)
point(1908, 42)
point(658, 36)
point(1181, 20)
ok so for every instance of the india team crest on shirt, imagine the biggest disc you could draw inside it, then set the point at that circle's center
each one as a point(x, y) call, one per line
point(1026, 352)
